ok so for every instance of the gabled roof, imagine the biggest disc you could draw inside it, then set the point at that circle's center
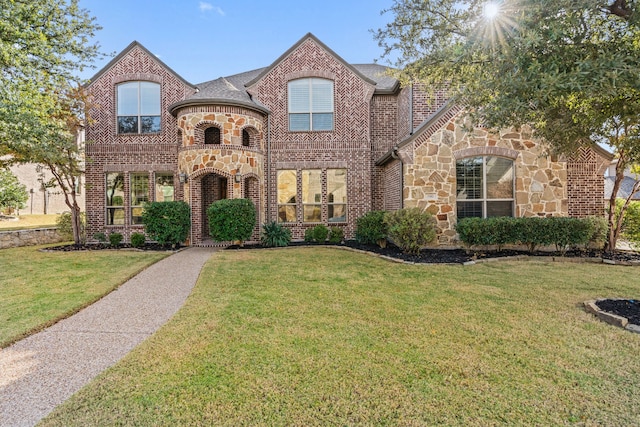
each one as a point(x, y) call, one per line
point(122, 54)
point(308, 36)
point(626, 187)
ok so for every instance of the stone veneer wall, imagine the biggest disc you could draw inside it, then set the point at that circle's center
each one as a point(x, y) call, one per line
point(430, 173)
point(40, 236)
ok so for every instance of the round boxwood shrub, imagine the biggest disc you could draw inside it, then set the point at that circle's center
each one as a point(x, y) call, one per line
point(371, 229)
point(115, 239)
point(137, 240)
point(231, 220)
point(336, 235)
point(410, 229)
point(167, 223)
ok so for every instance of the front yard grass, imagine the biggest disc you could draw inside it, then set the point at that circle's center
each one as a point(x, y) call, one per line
point(39, 288)
point(320, 336)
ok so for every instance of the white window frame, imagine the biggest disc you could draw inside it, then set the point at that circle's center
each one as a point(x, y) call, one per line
point(309, 109)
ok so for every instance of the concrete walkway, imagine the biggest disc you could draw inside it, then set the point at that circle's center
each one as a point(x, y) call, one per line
point(42, 371)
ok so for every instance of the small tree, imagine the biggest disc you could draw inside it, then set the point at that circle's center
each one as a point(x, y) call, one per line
point(12, 193)
point(167, 223)
point(231, 220)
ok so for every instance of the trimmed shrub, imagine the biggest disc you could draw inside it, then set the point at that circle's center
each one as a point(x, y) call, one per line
point(631, 221)
point(231, 220)
point(532, 233)
point(167, 223)
point(137, 240)
point(65, 226)
point(371, 229)
point(336, 235)
point(566, 232)
point(308, 235)
point(598, 231)
point(410, 229)
point(100, 237)
point(319, 233)
point(115, 239)
point(275, 235)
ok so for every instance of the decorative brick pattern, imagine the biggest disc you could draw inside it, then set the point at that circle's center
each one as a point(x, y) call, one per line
point(585, 170)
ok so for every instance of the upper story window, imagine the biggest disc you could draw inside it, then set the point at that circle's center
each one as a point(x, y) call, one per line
point(310, 105)
point(484, 187)
point(138, 107)
point(212, 135)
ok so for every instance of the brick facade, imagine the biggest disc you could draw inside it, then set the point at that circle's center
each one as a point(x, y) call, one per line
point(399, 146)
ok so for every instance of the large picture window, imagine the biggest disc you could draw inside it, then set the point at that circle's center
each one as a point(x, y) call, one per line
point(319, 191)
point(484, 187)
point(138, 107)
point(310, 105)
point(139, 195)
point(287, 191)
point(114, 187)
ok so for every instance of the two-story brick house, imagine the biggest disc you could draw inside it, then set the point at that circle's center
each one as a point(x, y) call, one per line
point(311, 139)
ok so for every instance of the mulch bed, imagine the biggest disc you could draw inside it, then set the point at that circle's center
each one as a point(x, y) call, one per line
point(621, 307)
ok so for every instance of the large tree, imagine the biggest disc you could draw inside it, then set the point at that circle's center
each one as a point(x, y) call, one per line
point(44, 44)
point(567, 68)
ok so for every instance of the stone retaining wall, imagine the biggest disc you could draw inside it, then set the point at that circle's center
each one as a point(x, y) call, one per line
point(39, 236)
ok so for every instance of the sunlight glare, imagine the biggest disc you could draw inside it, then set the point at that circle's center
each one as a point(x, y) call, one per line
point(491, 10)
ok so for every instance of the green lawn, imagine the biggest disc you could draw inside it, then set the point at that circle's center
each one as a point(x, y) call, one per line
point(38, 288)
point(319, 336)
point(29, 221)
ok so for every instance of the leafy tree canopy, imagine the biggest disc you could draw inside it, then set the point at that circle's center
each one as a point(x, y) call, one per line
point(12, 193)
point(563, 66)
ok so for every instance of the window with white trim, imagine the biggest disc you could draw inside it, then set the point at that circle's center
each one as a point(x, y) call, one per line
point(138, 107)
point(114, 192)
point(484, 187)
point(139, 185)
point(310, 103)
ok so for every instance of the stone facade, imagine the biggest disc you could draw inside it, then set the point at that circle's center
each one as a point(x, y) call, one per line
point(398, 146)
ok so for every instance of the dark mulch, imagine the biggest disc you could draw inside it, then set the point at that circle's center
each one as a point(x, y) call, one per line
point(105, 246)
point(628, 308)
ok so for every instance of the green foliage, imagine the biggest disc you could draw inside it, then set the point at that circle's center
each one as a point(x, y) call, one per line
point(138, 240)
point(532, 232)
point(275, 235)
point(631, 222)
point(308, 235)
point(598, 229)
point(167, 223)
point(64, 222)
point(100, 237)
point(371, 228)
point(410, 229)
point(12, 193)
point(231, 219)
point(320, 233)
point(115, 239)
point(336, 235)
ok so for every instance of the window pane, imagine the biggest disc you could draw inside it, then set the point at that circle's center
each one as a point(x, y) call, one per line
point(311, 186)
point(287, 186)
point(299, 122)
point(299, 96)
point(150, 124)
point(323, 121)
point(321, 96)
point(212, 135)
point(128, 99)
point(128, 124)
point(115, 189)
point(312, 213)
point(469, 209)
point(139, 189)
point(164, 187)
point(337, 213)
point(287, 213)
point(469, 178)
point(337, 185)
point(115, 216)
point(500, 208)
point(136, 215)
point(149, 99)
point(499, 178)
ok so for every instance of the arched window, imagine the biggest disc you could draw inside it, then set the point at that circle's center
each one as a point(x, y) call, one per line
point(212, 135)
point(310, 105)
point(138, 107)
point(246, 138)
point(484, 187)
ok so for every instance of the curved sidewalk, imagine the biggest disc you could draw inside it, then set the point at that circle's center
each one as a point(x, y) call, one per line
point(43, 370)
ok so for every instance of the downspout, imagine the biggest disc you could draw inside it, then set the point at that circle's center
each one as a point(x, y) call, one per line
point(396, 156)
point(268, 177)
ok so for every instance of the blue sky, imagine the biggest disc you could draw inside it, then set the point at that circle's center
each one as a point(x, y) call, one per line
point(203, 40)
